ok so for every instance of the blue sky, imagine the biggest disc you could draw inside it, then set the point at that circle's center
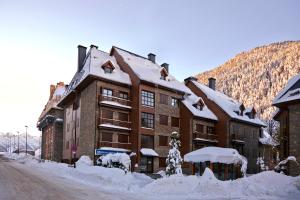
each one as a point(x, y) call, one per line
point(39, 39)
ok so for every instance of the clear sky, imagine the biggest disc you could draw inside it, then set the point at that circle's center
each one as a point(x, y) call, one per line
point(39, 40)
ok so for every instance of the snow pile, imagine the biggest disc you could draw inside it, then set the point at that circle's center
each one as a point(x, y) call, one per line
point(267, 139)
point(282, 164)
point(84, 161)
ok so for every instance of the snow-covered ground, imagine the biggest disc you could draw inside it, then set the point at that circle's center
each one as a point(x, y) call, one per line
point(265, 185)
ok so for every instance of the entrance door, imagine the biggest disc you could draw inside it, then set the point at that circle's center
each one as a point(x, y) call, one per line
point(146, 165)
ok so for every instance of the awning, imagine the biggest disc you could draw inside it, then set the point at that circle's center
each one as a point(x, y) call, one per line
point(148, 152)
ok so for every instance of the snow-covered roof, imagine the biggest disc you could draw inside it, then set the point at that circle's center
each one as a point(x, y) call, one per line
point(148, 152)
point(56, 97)
point(267, 139)
point(190, 100)
point(286, 94)
point(215, 155)
point(151, 72)
point(229, 105)
point(93, 66)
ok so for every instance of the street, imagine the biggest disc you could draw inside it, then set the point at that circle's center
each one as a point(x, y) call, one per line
point(17, 181)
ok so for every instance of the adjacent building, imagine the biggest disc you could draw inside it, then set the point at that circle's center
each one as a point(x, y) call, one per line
point(50, 123)
point(288, 114)
point(238, 127)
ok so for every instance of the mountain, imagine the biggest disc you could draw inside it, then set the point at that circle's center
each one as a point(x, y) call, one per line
point(256, 76)
point(8, 141)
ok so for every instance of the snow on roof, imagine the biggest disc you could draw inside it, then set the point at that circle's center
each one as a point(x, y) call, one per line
point(285, 95)
point(151, 72)
point(115, 104)
point(52, 103)
point(190, 100)
point(215, 155)
point(229, 105)
point(267, 139)
point(114, 126)
point(148, 152)
point(93, 66)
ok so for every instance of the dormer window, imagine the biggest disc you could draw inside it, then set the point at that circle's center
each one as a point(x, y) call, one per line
point(242, 109)
point(251, 114)
point(163, 74)
point(199, 105)
point(108, 67)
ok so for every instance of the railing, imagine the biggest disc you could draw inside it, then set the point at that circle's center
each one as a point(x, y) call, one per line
point(115, 122)
point(115, 145)
point(207, 136)
point(121, 101)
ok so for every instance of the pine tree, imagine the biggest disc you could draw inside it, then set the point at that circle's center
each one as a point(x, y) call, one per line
point(174, 159)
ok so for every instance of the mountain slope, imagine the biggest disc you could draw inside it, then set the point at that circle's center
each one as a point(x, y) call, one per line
point(256, 76)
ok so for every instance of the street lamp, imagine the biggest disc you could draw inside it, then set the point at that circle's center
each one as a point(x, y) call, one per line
point(26, 139)
point(18, 142)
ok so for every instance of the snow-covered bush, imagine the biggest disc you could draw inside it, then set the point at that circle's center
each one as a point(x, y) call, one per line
point(281, 166)
point(261, 163)
point(84, 161)
point(116, 160)
point(174, 159)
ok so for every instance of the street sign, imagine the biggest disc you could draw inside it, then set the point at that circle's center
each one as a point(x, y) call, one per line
point(100, 152)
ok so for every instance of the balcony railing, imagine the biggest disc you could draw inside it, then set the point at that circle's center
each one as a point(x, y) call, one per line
point(121, 101)
point(206, 136)
point(115, 145)
point(115, 122)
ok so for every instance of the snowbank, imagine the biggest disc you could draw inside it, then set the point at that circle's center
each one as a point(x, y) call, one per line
point(265, 185)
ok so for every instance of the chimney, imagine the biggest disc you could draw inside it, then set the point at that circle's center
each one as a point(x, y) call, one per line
point(166, 66)
point(191, 78)
point(81, 57)
point(52, 90)
point(212, 83)
point(93, 46)
point(151, 57)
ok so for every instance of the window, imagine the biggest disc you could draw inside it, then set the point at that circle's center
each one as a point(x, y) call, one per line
point(162, 77)
point(147, 120)
point(147, 141)
point(123, 138)
point(174, 102)
point(107, 137)
point(107, 114)
point(123, 95)
point(67, 145)
point(123, 117)
point(162, 161)
point(147, 98)
point(163, 119)
point(107, 92)
point(163, 140)
point(210, 130)
point(174, 121)
point(163, 99)
point(107, 70)
point(199, 128)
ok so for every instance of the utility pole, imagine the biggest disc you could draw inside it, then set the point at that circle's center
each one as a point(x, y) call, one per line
point(26, 139)
point(18, 142)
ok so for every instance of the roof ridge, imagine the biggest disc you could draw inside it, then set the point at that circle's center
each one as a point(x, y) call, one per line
point(130, 52)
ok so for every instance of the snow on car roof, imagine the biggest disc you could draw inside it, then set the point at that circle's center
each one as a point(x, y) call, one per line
point(151, 72)
point(229, 105)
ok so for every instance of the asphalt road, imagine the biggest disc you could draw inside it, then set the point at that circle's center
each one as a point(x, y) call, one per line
point(17, 181)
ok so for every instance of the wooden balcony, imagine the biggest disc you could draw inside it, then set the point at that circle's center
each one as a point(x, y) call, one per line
point(114, 122)
point(116, 100)
point(115, 145)
point(205, 136)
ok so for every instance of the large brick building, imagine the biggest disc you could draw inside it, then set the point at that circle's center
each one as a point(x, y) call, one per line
point(50, 123)
point(288, 114)
point(237, 127)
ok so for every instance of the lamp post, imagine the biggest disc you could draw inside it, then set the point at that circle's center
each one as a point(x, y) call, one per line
point(18, 142)
point(26, 139)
